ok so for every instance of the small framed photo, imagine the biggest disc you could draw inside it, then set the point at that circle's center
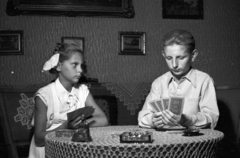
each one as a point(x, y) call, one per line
point(79, 41)
point(11, 42)
point(182, 9)
point(132, 43)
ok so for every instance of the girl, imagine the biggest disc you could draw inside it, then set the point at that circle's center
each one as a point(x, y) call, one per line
point(65, 94)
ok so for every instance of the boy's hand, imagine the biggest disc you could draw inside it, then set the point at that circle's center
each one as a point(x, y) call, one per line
point(170, 118)
point(157, 120)
point(74, 124)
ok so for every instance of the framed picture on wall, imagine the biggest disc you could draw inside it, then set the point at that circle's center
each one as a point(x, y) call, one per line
point(79, 41)
point(182, 9)
point(132, 43)
point(72, 8)
point(11, 42)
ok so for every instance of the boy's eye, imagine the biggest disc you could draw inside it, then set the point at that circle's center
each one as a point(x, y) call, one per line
point(168, 58)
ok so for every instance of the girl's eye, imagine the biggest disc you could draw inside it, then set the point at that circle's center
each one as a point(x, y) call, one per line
point(181, 58)
point(75, 65)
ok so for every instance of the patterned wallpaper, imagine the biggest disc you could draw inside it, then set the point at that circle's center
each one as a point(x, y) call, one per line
point(217, 37)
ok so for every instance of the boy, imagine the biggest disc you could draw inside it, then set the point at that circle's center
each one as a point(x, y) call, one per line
point(196, 87)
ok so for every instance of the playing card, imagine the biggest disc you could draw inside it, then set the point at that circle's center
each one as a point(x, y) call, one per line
point(165, 102)
point(154, 106)
point(85, 111)
point(159, 104)
point(176, 105)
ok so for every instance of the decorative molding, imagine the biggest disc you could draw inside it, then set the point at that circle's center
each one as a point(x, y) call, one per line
point(131, 94)
point(29, 86)
point(227, 87)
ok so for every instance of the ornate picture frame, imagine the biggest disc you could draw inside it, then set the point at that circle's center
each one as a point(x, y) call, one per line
point(72, 8)
point(132, 43)
point(11, 42)
point(182, 9)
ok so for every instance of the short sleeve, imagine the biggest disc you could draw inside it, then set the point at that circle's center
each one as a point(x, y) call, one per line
point(45, 94)
point(83, 93)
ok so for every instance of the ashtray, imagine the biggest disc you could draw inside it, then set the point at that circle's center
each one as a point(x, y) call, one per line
point(191, 132)
point(136, 137)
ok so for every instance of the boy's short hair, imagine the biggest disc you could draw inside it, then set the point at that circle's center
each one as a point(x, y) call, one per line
point(180, 37)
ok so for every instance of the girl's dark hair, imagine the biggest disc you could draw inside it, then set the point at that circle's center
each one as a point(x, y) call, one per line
point(66, 50)
point(180, 37)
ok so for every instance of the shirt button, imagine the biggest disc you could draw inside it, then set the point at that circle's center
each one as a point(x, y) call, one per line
point(178, 89)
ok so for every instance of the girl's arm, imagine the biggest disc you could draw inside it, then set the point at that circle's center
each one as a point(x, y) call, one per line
point(40, 121)
point(99, 118)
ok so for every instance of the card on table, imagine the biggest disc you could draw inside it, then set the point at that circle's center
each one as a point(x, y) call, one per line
point(85, 112)
point(154, 105)
point(176, 105)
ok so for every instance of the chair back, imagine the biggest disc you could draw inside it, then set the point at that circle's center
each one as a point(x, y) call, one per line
point(17, 107)
point(106, 101)
point(109, 106)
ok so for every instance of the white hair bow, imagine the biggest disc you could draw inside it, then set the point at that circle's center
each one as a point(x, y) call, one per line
point(51, 63)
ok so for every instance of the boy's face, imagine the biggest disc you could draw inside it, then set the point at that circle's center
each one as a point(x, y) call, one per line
point(71, 69)
point(178, 59)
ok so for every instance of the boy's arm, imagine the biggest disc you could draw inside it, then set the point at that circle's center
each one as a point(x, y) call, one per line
point(209, 112)
point(145, 115)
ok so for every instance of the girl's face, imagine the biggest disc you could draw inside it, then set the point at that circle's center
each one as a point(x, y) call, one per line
point(178, 59)
point(71, 69)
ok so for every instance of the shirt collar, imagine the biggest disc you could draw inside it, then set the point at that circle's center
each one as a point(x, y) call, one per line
point(191, 76)
point(62, 93)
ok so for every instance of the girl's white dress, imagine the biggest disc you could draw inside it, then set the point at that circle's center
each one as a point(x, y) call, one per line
point(59, 102)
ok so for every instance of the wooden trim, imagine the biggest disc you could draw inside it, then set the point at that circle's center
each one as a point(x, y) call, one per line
point(227, 87)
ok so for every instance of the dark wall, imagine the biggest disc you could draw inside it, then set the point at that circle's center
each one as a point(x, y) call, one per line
point(217, 37)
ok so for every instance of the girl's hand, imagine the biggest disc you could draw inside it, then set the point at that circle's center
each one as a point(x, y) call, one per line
point(74, 124)
point(170, 118)
point(157, 120)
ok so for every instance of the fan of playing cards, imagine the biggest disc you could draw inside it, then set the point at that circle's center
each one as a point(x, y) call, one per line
point(85, 112)
point(173, 104)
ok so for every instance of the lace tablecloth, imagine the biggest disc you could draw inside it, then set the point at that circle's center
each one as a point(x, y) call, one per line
point(106, 144)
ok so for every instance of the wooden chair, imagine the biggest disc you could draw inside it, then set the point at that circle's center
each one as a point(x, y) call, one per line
point(109, 106)
point(106, 101)
point(228, 102)
point(17, 107)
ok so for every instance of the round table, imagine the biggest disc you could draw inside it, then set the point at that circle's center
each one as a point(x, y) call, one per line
point(106, 144)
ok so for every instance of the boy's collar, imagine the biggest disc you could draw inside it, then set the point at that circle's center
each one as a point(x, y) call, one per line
point(191, 76)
